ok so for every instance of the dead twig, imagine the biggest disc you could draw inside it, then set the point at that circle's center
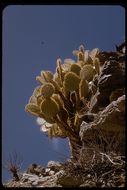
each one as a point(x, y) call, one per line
point(107, 156)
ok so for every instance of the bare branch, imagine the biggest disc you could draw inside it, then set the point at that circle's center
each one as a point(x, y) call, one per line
point(14, 164)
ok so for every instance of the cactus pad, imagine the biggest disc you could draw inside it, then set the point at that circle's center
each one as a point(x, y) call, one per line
point(49, 107)
point(57, 98)
point(75, 68)
point(80, 56)
point(33, 109)
point(83, 89)
point(47, 90)
point(71, 81)
point(87, 72)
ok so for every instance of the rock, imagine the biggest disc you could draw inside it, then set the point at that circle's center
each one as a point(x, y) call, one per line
point(33, 178)
point(31, 168)
point(48, 181)
point(51, 172)
point(29, 178)
point(35, 169)
point(47, 170)
point(39, 170)
point(25, 175)
point(109, 123)
point(113, 116)
point(24, 180)
point(88, 184)
point(35, 183)
point(116, 94)
point(43, 179)
point(112, 77)
point(68, 180)
point(55, 166)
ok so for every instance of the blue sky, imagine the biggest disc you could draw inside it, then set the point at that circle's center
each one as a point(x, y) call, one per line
point(62, 29)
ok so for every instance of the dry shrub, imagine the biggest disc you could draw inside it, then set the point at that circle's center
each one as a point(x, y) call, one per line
point(98, 168)
point(13, 165)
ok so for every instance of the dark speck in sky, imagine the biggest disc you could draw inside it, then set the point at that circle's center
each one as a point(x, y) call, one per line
point(42, 43)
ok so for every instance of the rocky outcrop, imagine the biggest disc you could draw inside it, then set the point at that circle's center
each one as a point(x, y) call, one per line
point(101, 173)
point(108, 125)
point(38, 176)
point(107, 105)
point(53, 175)
point(111, 79)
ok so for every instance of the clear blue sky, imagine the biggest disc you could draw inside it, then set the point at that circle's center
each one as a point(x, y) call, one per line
point(62, 29)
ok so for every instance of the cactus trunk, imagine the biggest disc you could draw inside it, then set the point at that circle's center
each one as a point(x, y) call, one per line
point(75, 146)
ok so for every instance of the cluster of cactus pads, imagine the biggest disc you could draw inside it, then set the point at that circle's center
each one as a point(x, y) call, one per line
point(64, 95)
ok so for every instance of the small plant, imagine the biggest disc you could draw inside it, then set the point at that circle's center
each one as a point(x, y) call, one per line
point(64, 95)
point(14, 165)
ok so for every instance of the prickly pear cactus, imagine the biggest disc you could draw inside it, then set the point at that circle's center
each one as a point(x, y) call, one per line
point(63, 95)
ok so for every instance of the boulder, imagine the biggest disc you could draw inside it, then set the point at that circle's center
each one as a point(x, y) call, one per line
point(67, 180)
point(108, 125)
point(111, 78)
point(54, 165)
point(35, 169)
